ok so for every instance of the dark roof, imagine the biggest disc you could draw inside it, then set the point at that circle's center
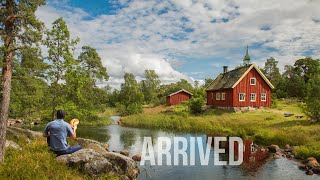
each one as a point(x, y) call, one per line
point(182, 90)
point(228, 79)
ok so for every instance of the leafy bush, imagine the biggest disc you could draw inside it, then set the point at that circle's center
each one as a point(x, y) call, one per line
point(196, 104)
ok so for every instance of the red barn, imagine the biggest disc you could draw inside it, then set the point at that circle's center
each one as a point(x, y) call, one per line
point(178, 97)
point(240, 89)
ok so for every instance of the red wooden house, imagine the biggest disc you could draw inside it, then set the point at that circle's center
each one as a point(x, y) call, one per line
point(178, 97)
point(240, 89)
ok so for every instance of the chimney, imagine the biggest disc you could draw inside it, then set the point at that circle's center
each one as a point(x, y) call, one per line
point(225, 69)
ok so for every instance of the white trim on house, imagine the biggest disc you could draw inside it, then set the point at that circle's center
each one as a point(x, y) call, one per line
point(244, 97)
point(255, 81)
point(182, 90)
point(258, 70)
point(253, 97)
point(223, 96)
point(218, 96)
point(264, 98)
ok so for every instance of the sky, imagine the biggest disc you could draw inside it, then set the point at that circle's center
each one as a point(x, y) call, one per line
point(189, 39)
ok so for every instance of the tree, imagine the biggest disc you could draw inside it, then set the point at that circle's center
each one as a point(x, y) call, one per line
point(294, 84)
point(207, 82)
point(18, 27)
point(90, 61)
point(131, 96)
point(29, 89)
point(61, 58)
point(306, 68)
point(197, 102)
point(298, 75)
point(271, 71)
point(80, 89)
point(150, 86)
point(196, 84)
point(312, 106)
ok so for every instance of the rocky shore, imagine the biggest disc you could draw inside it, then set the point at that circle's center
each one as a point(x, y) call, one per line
point(309, 165)
point(94, 159)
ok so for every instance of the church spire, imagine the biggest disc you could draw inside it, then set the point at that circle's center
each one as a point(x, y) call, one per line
point(246, 59)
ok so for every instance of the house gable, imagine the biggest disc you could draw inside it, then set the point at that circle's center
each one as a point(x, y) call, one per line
point(253, 66)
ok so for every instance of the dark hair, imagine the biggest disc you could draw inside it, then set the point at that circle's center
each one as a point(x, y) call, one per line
point(61, 114)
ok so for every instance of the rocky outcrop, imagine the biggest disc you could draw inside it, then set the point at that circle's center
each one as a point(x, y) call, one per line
point(95, 164)
point(94, 159)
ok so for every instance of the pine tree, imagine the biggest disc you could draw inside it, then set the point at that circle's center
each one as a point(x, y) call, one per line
point(18, 27)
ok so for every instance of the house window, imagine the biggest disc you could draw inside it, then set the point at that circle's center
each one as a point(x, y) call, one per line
point(218, 96)
point(223, 96)
point(253, 97)
point(252, 81)
point(263, 97)
point(242, 96)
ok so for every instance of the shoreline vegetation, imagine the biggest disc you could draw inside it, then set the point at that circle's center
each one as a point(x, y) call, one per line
point(264, 126)
point(36, 161)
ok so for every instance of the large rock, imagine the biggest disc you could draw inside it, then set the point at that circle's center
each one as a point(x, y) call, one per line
point(20, 133)
point(311, 162)
point(94, 163)
point(11, 144)
point(137, 157)
point(273, 148)
point(88, 143)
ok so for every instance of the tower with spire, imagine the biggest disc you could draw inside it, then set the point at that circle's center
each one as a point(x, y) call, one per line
point(246, 59)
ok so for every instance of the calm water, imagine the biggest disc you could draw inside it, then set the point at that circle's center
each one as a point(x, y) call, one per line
point(131, 139)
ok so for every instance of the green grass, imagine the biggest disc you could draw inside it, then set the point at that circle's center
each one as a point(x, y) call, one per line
point(37, 162)
point(265, 126)
point(103, 118)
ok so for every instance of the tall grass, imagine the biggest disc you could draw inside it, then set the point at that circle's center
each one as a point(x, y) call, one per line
point(264, 126)
point(35, 161)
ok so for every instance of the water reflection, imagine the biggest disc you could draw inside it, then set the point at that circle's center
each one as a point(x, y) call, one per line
point(131, 139)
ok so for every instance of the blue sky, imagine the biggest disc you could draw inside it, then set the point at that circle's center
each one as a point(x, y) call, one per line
point(190, 39)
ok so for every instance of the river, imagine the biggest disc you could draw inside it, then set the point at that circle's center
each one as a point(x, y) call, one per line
point(131, 139)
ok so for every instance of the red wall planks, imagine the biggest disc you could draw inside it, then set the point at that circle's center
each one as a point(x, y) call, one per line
point(178, 98)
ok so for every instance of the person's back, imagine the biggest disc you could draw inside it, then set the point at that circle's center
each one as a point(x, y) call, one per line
point(57, 132)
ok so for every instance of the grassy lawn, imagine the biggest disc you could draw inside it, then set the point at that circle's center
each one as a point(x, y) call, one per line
point(264, 126)
point(103, 118)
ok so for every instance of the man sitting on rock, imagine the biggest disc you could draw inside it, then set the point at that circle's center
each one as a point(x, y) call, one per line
point(57, 131)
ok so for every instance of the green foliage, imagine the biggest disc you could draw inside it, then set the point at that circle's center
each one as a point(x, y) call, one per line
point(297, 77)
point(130, 96)
point(60, 49)
point(150, 86)
point(197, 102)
point(312, 106)
point(90, 61)
point(29, 90)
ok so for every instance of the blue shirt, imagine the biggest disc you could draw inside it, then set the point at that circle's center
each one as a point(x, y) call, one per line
point(58, 131)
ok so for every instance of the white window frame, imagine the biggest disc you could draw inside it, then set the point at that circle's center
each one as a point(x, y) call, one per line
point(218, 96)
point(223, 96)
point(255, 97)
point(255, 81)
point(244, 97)
point(264, 97)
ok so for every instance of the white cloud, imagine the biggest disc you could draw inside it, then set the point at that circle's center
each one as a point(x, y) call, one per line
point(157, 35)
